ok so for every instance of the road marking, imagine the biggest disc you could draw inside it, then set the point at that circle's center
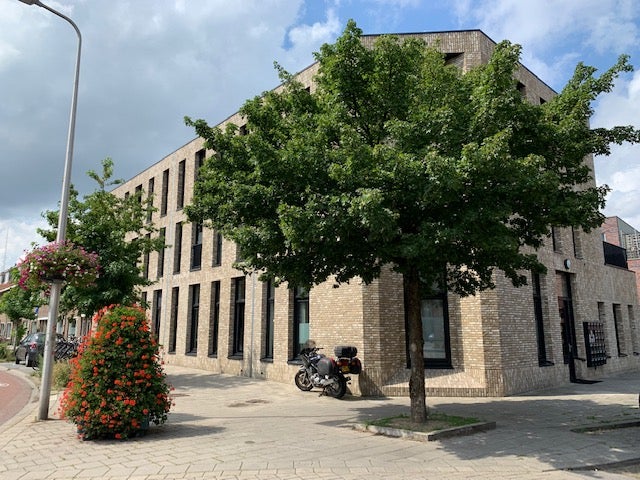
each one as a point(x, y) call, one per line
point(4, 384)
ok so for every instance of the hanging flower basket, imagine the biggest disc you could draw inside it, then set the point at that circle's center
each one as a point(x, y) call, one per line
point(63, 262)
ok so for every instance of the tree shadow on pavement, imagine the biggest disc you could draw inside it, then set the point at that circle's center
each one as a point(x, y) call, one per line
point(535, 427)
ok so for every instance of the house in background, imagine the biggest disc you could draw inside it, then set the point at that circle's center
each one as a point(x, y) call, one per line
point(69, 326)
point(577, 322)
point(616, 231)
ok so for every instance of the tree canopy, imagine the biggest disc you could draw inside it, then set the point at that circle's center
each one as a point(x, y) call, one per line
point(115, 228)
point(398, 158)
point(18, 304)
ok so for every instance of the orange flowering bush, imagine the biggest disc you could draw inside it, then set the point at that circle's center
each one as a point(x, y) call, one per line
point(117, 386)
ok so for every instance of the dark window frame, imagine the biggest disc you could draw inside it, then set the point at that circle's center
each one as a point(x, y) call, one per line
point(301, 316)
point(239, 300)
point(433, 362)
point(217, 250)
point(543, 360)
point(173, 319)
point(214, 319)
point(193, 320)
point(182, 172)
point(269, 319)
point(177, 248)
point(197, 234)
point(164, 200)
point(156, 319)
point(161, 253)
point(150, 189)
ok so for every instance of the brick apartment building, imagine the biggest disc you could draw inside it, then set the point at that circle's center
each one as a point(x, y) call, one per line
point(578, 321)
point(617, 232)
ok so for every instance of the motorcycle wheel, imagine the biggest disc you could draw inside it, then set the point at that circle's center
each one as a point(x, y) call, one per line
point(338, 388)
point(303, 382)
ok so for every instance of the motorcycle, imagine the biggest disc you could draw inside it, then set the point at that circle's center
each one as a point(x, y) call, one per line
point(320, 371)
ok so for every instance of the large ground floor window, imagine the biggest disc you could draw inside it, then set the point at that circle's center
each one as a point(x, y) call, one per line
point(434, 311)
point(300, 319)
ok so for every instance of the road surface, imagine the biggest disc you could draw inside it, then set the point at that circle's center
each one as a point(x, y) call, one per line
point(14, 395)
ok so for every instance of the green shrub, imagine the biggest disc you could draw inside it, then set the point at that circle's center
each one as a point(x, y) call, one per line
point(4, 351)
point(61, 374)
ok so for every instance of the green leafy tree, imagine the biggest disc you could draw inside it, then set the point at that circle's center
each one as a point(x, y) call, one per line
point(397, 158)
point(118, 231)
point(18, 304)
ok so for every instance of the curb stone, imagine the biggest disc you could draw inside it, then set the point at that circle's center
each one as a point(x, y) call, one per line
point(606, 426)
point(427, 436)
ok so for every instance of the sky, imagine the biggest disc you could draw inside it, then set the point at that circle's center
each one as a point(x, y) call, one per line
point(148, 63)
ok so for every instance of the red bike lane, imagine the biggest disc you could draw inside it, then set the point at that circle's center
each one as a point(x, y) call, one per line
point(14, 395)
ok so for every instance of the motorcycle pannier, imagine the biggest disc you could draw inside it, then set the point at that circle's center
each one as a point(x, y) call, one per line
point(345, 351)
point(355, 366)
point(326, 366)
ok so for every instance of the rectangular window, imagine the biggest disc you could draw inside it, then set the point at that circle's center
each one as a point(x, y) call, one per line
point(555, 241)
point(214, 319)
point(237, 343)
point(177, 248)
point(157, 313)
point(269, 300)
point(161, 252)
point(182, 167)
point(300, 319)
point(165, 193)
point(635, 341)
point(577, 243)
point(199, 161)
point(138, 193)
point(434, 311)
point(537, 311)
point(217, 249)
point(192, 320)
point(196, 246)
point(173, 320)
point(151, 186)
point(617, 324)
point(145, 260)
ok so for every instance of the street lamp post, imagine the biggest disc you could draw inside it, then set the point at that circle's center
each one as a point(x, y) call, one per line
point(56, 287)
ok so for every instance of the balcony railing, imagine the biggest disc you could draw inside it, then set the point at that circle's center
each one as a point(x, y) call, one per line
point(615, 255)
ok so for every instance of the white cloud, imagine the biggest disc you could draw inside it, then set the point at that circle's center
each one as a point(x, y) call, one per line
point(16, 236)
point(621, 170)
point(549, 26)
point(305, 39)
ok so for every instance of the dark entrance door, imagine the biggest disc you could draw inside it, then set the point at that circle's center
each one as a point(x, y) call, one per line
point(567, 322)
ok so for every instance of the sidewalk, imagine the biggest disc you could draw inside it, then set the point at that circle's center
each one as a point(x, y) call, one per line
point(226, 427)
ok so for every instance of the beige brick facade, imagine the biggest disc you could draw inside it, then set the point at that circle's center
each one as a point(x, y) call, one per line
point(493, 339)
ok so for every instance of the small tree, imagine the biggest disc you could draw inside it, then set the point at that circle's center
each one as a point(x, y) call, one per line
point(397, 158)
point(18, 304)
point(104, 223)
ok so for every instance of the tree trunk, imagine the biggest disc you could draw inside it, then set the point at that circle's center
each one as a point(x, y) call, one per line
point(416, 356)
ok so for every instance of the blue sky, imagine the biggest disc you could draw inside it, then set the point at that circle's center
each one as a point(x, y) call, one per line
point(148, 63)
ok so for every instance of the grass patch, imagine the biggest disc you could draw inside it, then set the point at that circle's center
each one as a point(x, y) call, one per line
point(435, 421)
